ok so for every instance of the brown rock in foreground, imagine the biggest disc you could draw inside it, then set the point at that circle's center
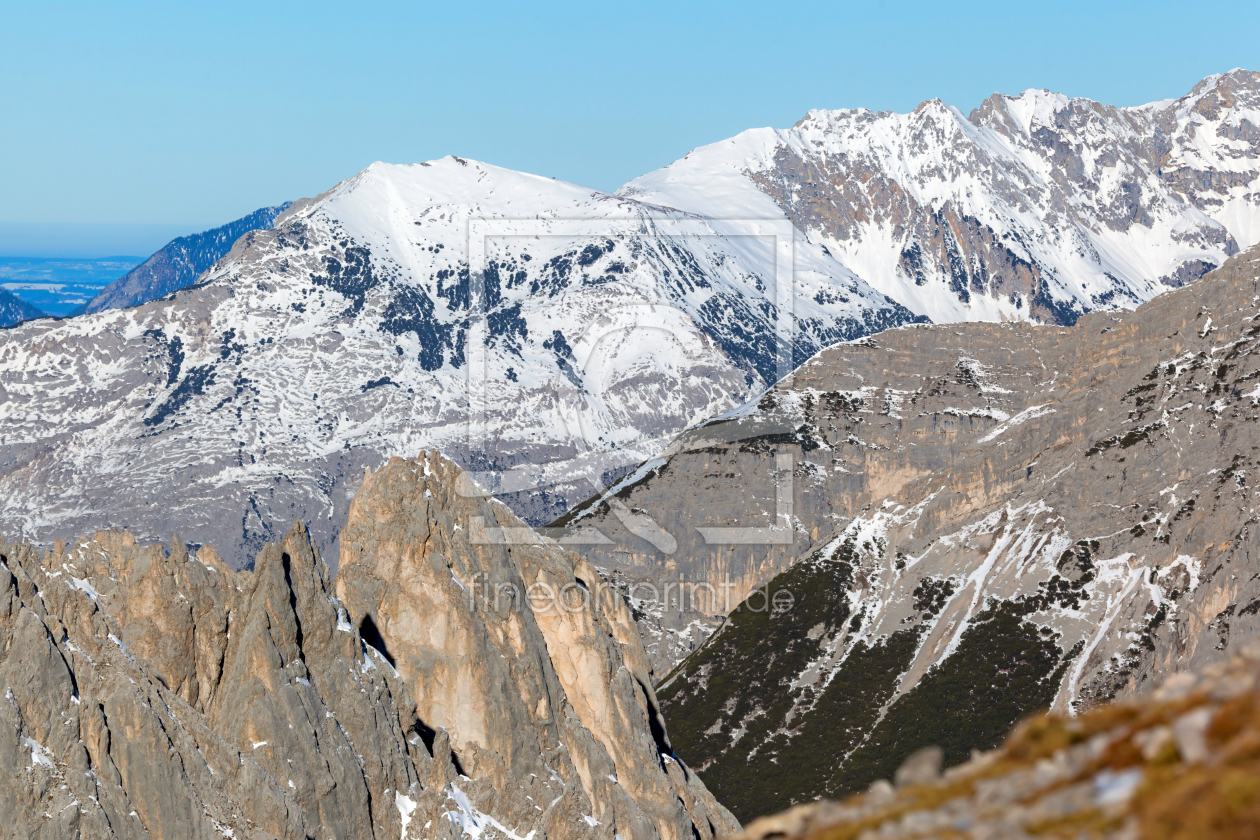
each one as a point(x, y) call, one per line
point(1182, 763)
point(155, 695)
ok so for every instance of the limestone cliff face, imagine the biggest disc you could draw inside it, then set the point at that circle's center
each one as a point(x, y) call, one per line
point(515, 649)
point(974, 522)
point(161, 695)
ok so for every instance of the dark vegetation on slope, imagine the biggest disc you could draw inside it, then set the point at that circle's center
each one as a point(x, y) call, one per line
point(762, 744)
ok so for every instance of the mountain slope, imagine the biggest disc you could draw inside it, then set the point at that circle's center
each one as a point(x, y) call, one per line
point(1177, 763)
point(1037, 206)
point(165, 696)
point(973, 521)
point(357, 329)
point(13, 309)
point(179, 263)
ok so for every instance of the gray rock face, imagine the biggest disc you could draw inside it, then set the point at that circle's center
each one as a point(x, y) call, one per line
point(156, 695)
point(1036, 206)
point(983, 520)
point(179, 263)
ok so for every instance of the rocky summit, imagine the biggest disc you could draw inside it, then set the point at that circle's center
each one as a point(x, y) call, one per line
point(156, 694)
point(939, 530)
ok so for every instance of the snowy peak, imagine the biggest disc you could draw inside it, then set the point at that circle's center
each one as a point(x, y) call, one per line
point(1024, 114)
point(1037, 206)
point(546, 335)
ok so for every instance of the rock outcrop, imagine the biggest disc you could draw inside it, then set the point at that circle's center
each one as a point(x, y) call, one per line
point(1183, 762)
point(150, 694)
point(966, 523)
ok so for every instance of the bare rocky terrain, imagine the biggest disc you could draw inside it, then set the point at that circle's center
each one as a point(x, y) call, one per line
point(974, 522)
point(156, 694)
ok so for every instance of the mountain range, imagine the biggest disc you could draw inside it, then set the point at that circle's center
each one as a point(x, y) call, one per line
point(340, 337)
point(1034, 207)
point(337, 338)
point(927, 422)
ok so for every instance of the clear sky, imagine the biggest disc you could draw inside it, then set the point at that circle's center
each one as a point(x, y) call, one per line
point(185, 116)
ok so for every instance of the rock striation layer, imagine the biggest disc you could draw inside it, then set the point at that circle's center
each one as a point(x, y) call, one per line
point(150, 694)
point(969, 522)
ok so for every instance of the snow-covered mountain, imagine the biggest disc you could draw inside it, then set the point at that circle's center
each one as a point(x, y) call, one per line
point(179, 263)
point(548, 336)
point(13, 309)
point(357, 329)
point(1036, 206)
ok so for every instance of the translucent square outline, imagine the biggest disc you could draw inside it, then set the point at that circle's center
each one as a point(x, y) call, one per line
point(482, 229)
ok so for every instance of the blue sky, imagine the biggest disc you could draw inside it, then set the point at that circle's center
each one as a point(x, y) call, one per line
point(178, 117)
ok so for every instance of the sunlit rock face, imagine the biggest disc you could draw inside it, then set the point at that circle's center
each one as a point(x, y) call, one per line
point(150, 694)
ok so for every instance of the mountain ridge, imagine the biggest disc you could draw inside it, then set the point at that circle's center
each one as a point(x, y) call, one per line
point(1037, 206)
point(179, 263)
point(968, 522)
point(341, 337)
point(156, 694)
point(14, 310)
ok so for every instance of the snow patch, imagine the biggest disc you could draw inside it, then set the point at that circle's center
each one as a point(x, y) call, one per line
point(473, 822)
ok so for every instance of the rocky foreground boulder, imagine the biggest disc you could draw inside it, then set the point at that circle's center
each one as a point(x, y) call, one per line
point(150, 694)
point(1183, 762)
